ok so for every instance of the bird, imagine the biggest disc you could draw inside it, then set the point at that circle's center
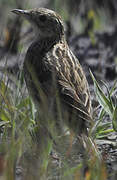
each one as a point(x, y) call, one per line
point(54, 77)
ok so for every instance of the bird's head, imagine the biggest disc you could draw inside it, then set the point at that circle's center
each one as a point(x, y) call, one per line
point(46, 22)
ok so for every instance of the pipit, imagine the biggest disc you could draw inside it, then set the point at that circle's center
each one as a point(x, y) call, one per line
point(53, 74)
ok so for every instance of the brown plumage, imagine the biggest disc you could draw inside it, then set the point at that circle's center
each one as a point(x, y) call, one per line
point(53, 74)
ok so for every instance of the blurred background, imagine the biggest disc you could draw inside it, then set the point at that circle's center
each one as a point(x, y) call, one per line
point(90, 27)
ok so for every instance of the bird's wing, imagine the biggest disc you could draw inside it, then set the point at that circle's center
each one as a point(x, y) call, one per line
point(70, 98)
point(72, 83)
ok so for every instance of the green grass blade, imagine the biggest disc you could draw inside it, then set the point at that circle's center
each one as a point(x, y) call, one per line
point(102, 99)
point(114, 120)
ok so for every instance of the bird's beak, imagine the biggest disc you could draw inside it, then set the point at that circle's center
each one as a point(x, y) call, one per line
point(20, 11)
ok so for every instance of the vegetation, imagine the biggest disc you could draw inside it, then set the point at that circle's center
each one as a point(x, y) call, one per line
point(17, 114)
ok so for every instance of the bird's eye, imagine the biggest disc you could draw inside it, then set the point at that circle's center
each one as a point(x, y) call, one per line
point(42, 18)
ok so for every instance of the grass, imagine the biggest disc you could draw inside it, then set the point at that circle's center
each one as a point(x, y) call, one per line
point(17, 119)
point(108, 107)
point(17, 115)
